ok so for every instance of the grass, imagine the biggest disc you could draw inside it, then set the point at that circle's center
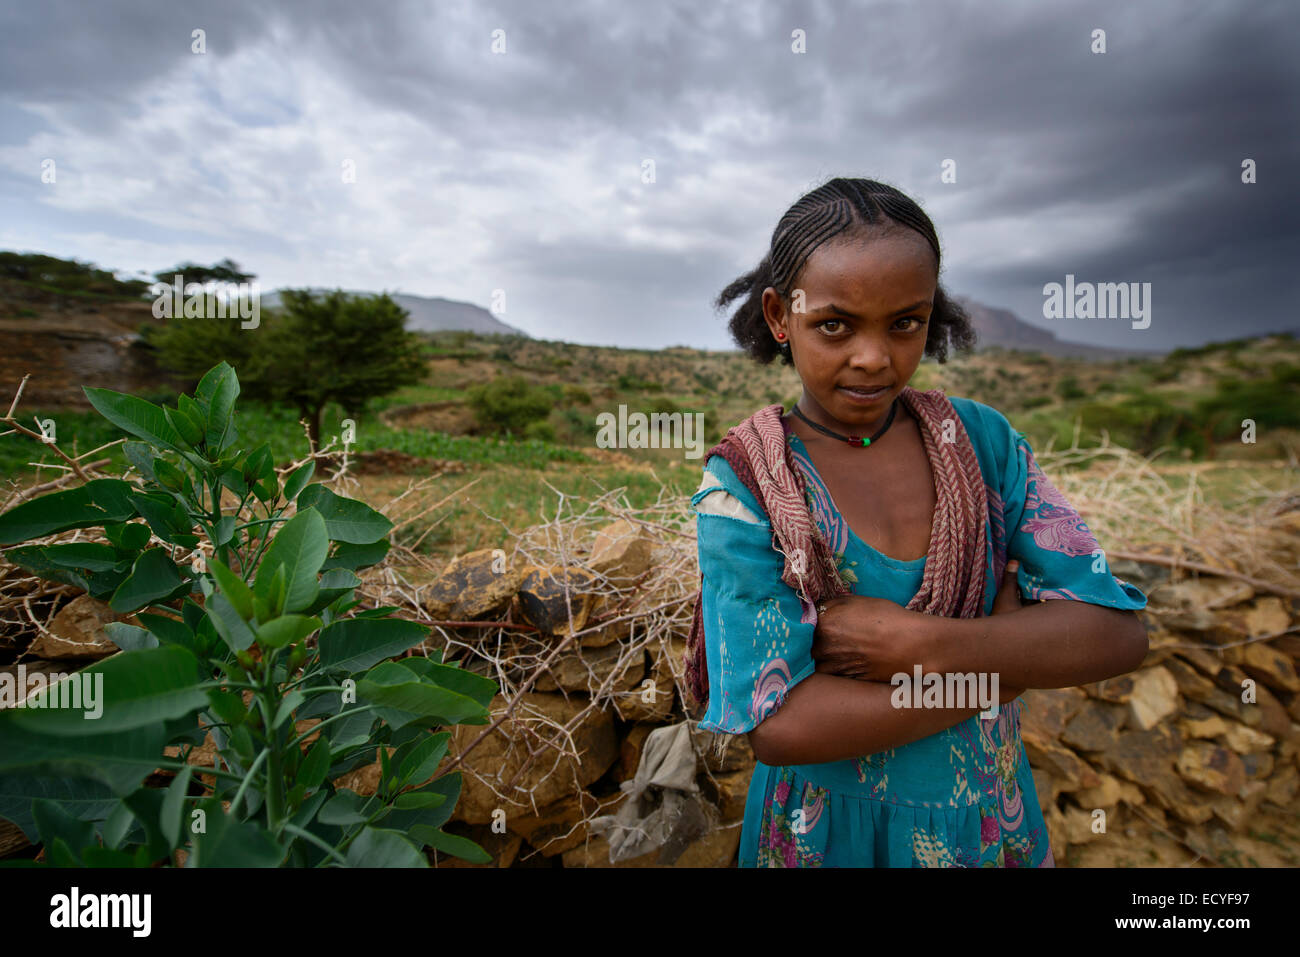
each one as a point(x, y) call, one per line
point(505, 499)
point(78, 432)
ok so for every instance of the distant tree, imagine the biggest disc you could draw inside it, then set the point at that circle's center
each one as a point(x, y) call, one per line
point(225, 271)
point(313, 350)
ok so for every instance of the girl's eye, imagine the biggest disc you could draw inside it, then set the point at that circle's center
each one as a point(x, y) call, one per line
point(823, 325)
point(917, 321)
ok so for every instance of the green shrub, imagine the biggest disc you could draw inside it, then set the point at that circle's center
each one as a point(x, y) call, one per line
point(1069, 388)
point(540, 430)
point(508, 404)
point(248, 624)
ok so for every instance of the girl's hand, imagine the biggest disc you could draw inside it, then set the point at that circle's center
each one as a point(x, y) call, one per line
point(870, 639)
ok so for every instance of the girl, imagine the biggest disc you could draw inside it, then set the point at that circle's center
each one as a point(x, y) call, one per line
point(877, 531)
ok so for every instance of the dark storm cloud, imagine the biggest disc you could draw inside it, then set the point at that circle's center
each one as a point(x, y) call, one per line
point(1123, 166)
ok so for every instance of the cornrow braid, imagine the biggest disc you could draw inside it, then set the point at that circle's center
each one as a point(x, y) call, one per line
point(840, 207)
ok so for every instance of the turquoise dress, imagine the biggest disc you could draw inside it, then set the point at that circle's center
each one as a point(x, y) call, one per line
point(963, 797)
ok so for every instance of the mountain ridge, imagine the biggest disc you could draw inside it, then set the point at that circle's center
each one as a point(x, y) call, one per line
point(428, 313)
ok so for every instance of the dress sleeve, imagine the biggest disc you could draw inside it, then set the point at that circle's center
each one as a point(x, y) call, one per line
point(756, 646)
point(1059, 556)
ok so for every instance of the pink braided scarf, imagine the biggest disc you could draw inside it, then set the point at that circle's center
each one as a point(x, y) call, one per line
point(953, 581)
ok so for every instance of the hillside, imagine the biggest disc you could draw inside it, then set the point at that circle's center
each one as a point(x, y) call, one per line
point(1002, 328)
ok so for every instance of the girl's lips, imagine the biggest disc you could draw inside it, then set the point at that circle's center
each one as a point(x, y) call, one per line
point(859, 396)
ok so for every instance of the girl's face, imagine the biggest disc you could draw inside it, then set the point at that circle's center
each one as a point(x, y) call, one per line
point(866, 311)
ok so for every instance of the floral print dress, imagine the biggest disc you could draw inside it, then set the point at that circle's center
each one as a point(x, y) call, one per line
point(963, 797)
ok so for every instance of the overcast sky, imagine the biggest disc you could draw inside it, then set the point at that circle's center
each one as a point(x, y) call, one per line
point(522, 171)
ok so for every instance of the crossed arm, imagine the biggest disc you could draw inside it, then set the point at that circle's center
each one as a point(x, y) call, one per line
point(843, 710)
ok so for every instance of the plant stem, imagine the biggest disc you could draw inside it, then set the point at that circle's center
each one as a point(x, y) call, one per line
point(313, 839)
point(177, 766)
point(248, 778)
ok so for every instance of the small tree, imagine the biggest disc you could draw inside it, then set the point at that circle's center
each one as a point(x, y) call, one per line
point(314, 350)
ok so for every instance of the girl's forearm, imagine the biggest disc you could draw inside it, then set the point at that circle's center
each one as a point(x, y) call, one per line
point(1053, 644)
point(832, 718)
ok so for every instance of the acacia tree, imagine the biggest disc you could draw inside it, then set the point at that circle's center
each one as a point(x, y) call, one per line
point(225, 271)
point(312, 350)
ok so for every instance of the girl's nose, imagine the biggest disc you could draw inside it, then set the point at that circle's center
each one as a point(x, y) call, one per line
point(869, 354)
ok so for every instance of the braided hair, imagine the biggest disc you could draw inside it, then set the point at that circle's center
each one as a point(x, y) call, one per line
point(850, 209)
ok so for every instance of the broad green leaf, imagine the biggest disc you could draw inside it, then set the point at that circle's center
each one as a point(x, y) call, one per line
point(274, 595)
point(58, 853)
point(378, 847)
point(233, 480)
point(141, 456)
point(355, 644)
point(357, 556)
point(84, 798)
point(189, 430)
point(98, 584)
point(169, 476)
point(193, 411)
point(129, 637)
point(233, 587)
point(154, 576)
point(117, 825)
point(334, 584)
point(169, 631)
point(106, 857)
point(259, 464)
point(299, 547)
point(170, 817)
point(121, 760)
point(89, 555)
point(266, 490)
point(241, 739)
point(128, 537)
point(285, 709)
point(346, 519)
point(422, 762)
point(146, 804)
point(298, 480)
point(350, 732)
point(303, 816)
point(130, 690)
point(227, 706)
point(449, 786)
point(343, 809)
point(224, 531)
point(452, 844)
point(96, 503)
point(218, 389)
point(228, 842)
point(166, 518)
point(455, 679)
point(401, 698)
point(411, 800)
point(315, 765)
point(230, 624)
point(340, 578)
point(285, 630)
point(135, 415)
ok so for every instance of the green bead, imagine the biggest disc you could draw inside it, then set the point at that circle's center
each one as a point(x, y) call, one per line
point(866, 442)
